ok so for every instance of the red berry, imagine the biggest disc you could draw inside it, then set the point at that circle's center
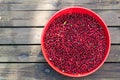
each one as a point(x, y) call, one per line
point(75, 43)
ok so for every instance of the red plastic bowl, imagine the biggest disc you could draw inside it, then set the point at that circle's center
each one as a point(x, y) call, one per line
point(71, 10)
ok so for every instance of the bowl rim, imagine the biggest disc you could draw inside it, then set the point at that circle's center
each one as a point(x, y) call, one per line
point(100, 21)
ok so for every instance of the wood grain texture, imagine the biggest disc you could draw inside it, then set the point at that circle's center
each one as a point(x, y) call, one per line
point(33, 35)
point(17, 53)
point(20, 35)
point(40, 18)
point(37, 12)
point(20, 50)
point(33, 53)
point(3, 7)
point(42, 71)
point(58, 4)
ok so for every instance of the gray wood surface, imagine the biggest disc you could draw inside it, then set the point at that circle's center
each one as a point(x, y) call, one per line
point(42, 71)
point(58, 4)
point(40, 18)
point(20, 50)
point(23, 53)
point(33, 53)
point(33, 35)
point(37, 12)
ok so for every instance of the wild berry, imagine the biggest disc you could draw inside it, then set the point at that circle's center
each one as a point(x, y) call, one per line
point(75, 43)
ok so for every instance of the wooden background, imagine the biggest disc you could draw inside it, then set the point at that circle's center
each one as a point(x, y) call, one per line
point(21, 23)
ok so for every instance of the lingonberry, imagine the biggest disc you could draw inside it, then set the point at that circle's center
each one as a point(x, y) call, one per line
point(75, 43)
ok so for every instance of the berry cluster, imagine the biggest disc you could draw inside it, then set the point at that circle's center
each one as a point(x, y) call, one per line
point(75, 43)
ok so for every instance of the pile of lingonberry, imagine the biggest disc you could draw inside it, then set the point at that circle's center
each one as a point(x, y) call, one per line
point(75, 43)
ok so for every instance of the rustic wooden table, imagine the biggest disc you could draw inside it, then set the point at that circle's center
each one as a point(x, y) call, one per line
point(21, 23)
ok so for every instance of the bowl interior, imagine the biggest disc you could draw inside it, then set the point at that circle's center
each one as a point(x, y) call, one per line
point(70, 11)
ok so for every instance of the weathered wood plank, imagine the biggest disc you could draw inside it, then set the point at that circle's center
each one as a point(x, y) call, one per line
point(3, 7)
point(27, 16)
point(4, 19)
point(40, 18)
point(33, 35)
point(33, 53)
point(42, 71)
point(20, 35)
point(114, 55)
point(58, 4)
point(113, 33)
point(16, 53)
